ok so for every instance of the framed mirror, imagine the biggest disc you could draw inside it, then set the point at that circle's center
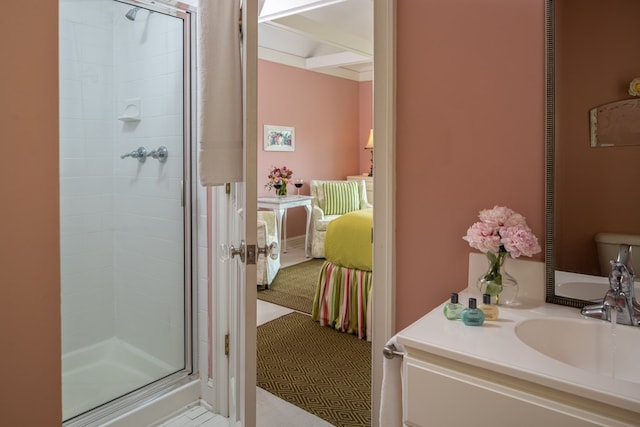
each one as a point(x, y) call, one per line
point(592, 190)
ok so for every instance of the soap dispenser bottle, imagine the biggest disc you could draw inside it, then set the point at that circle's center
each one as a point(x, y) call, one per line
point(453, 308)
point(472, 316)
point(490, 311)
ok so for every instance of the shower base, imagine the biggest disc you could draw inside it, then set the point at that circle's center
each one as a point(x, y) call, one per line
point(102, 372)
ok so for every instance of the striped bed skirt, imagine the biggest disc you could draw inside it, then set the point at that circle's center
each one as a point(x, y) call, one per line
point(342, 300)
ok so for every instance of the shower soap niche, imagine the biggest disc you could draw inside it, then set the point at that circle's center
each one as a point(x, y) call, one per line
point(131, 110)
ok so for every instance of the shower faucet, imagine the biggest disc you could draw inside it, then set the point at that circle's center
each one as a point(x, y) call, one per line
point(161, 154)
point(140, 154)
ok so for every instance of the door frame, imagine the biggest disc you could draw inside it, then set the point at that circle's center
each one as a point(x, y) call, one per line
point(384, 178)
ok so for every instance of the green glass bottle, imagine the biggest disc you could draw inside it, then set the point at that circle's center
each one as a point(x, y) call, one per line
point(453, 308)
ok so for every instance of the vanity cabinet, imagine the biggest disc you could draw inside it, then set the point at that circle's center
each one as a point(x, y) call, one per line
point(442, 392)
point(457, 375)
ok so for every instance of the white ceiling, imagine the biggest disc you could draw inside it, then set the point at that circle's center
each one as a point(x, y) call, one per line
point(328, 36)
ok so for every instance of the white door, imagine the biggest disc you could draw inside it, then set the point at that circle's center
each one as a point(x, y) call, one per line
point(242, 227)
point(242, 312)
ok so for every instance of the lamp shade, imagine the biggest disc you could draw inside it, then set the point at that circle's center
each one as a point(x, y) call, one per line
point(369, 145)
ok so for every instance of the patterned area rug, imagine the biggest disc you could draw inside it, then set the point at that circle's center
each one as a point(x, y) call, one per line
point(294, 287)
point(318, 369)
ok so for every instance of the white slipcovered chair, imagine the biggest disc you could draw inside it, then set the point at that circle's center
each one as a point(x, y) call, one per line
point(267, 233)
point(321, 217)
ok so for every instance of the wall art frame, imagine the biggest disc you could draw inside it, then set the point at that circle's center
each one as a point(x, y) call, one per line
point(279, 138)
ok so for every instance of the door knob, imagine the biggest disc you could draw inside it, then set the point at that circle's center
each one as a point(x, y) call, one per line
point(272, 251)
point(228, 252)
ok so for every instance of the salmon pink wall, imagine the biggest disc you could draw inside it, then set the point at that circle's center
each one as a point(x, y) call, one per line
point(29, 252)
point(326, 114)
point(470, 134)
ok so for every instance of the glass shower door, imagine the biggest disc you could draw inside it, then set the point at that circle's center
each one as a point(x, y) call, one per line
point(124, 227)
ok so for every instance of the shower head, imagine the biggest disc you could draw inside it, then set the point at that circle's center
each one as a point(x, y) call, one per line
point(131, 14)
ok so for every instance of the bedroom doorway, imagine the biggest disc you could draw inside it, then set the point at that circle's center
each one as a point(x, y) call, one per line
point(274, 69)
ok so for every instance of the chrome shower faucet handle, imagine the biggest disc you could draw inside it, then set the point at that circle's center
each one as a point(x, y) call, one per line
point(140, 154)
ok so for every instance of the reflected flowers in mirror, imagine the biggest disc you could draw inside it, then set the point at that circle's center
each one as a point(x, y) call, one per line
point(634, 87)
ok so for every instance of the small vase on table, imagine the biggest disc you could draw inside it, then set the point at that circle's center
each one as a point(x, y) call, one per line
point(281, 189)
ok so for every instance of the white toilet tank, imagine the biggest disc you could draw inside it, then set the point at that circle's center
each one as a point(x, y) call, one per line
point(607, 245)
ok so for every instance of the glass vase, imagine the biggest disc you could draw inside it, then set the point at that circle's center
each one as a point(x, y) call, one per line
point(282, 191)
point(497, 282)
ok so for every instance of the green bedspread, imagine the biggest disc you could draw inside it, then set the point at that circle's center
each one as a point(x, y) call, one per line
point(348, 240)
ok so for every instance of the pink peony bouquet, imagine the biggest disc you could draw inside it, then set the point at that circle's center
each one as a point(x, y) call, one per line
point(501, 230)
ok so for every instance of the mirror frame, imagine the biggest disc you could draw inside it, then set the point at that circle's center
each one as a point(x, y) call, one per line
point(549, 256)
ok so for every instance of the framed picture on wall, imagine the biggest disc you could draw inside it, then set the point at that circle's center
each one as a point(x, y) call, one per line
point(279, 138)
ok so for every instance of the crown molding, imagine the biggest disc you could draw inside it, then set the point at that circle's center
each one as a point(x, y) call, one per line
point(298, 62)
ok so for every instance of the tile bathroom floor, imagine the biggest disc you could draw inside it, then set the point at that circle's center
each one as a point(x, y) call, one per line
point(271, 411)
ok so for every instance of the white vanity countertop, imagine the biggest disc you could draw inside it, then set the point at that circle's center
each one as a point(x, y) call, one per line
point(495, 346)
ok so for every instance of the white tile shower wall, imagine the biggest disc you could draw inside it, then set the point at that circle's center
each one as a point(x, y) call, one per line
point(136, 212)
point(148, 213)
point(86, 189)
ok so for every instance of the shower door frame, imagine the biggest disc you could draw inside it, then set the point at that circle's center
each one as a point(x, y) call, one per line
point(178, 380)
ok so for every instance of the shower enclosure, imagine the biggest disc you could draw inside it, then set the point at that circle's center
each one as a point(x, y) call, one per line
point(125, 196)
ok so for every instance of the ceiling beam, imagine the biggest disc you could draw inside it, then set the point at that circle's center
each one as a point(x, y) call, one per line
point(274, 9)
point(325, 34)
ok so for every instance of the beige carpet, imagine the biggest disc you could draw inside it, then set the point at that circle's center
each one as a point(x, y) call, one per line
point(323, 371)
point(294, 287)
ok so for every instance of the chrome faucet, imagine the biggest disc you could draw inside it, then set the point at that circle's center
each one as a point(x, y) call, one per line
point(620, 296)
point(140, 154)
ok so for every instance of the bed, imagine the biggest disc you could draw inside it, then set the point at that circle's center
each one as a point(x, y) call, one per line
point(343, 291)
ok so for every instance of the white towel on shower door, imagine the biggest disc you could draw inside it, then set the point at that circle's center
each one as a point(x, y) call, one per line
point(220, 120)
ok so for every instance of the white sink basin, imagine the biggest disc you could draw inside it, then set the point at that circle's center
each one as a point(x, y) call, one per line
point(592, 345)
